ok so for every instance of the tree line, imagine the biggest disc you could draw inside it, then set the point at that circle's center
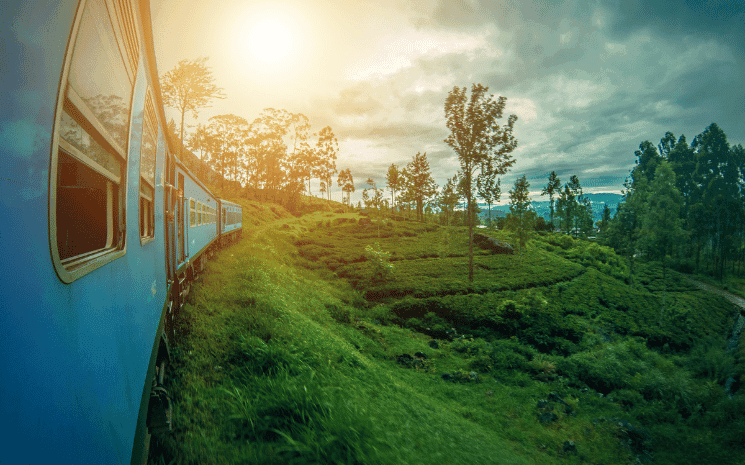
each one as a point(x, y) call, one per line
point(276, 152)
point(684, 204)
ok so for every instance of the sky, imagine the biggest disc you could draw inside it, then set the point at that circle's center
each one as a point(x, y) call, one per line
point(588, 80)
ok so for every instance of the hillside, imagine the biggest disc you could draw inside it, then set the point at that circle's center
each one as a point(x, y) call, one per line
point(336, 338)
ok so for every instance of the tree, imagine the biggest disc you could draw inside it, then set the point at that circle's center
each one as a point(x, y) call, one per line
point(394, 181)
point(478, 140)
point(521, 218)
point(188, 87)
point(661, 223)
point(225, 137)
point(448, 199)
point(605, 221)
point(326, 149)
point(552, 188)
point(377, 200)
point(419, 185)
point(346, 182)
point(489, 188)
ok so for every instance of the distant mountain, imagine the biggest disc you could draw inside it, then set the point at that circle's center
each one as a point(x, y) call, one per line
point(542, 207)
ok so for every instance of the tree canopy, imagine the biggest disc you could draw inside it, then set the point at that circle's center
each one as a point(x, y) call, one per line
point(478, 140)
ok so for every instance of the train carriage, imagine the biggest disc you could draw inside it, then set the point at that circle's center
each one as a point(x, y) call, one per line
point(101, 229)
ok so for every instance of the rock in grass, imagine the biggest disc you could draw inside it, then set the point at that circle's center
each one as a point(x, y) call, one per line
point(421, 355)
point(434, 344)
point(489, 243)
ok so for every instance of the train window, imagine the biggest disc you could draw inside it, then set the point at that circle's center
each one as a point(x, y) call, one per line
point(192, 213)
point(89, 164)
point(147, 170)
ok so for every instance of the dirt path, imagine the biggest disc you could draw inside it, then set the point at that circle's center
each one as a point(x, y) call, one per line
point(739, 301)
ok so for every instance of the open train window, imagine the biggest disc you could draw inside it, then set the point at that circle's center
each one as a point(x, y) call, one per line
point(147, 171)
point(87, 214)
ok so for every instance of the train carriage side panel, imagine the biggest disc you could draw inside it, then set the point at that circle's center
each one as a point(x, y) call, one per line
point(79, 333)
point(200, 207)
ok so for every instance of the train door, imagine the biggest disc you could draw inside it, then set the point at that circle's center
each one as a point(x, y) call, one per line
point(171, 198)
point(180, 223)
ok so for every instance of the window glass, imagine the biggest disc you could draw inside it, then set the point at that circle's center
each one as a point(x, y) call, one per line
point(148, 150)
point(147, 170)
point(88, 150)
point(90, 225)
point(98, 74)
point(192, 213)
point(92, 132)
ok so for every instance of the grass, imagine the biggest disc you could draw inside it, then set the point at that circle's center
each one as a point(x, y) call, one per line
point(294, 351)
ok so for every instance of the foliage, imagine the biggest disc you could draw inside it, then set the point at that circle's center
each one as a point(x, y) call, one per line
point(521, 218)
point(379, 261)
point(418, 184)
point(552, 188)
point(188, 87)
point(479, 141)
point(346, 182)
point(284, 362)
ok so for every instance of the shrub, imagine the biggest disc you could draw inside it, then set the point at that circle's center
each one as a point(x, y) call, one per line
point(379, 261)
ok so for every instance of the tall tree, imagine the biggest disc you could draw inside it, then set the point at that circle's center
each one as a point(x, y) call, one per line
point(521, 218)
point(448, 199)
point(346, 182)
point(553, 187)
point(477, 138)
point(189, 87)
point(419, 185)
point(394, 181)
point(489, 187)
point(604, 221)
point(661, 225)
point(225, 136)
point(326, 149)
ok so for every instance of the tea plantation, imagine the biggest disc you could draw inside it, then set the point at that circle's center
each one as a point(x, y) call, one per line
point(335, 338)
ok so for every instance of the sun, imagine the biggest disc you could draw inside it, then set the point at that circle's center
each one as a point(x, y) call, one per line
point(270, 40)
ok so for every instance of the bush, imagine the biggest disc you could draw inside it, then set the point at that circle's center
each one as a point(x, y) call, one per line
point(379, 261)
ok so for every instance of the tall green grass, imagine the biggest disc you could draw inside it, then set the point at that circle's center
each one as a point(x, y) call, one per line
point(284, 360)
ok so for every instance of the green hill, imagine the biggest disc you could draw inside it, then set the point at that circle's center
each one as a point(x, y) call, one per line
point(336, 338)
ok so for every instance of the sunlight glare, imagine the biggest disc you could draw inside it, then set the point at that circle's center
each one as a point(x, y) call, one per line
point(270, 40)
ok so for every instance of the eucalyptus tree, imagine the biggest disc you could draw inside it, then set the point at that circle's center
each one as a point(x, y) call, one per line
point(448, 199)
point(394, 180)
point(477, 138)
point(418, 185)
point(521, 218)
point(326, 149)
point(346, 182)
point(553, 187)
point(662, 227)
point(189, 87)
point(489, 187)
point(225, 138)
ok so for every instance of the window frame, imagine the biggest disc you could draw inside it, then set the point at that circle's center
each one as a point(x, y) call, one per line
point(149, 121)
point(68, 101)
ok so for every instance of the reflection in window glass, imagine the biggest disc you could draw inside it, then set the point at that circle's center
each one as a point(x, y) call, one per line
point(88, 148)
point(97, 73)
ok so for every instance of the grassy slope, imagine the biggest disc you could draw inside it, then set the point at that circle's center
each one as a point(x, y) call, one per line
point(285, 362)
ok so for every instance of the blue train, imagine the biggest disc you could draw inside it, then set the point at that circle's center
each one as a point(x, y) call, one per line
point(102, 230)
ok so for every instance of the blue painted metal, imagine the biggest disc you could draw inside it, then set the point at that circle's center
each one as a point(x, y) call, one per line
point(75, 357)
